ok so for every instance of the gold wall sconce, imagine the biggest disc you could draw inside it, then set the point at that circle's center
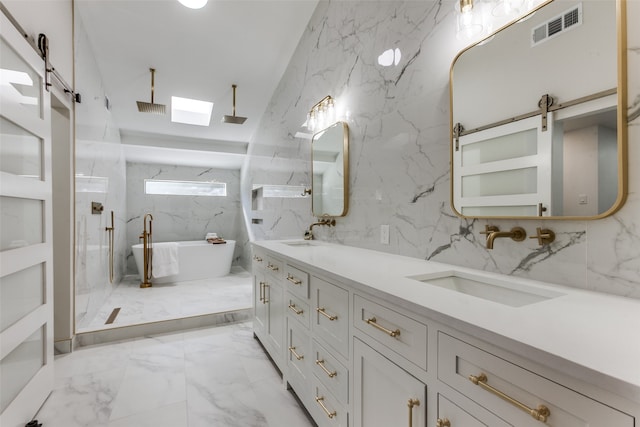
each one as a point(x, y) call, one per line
point(321, 115)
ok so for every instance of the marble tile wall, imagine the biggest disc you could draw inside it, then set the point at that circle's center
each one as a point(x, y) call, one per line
point(399, 135)
point(180, 218)
point(100, 177)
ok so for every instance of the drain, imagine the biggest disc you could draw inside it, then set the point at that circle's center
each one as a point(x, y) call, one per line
point(112, 316)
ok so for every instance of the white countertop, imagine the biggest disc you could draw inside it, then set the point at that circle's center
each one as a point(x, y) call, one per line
point(592, 330)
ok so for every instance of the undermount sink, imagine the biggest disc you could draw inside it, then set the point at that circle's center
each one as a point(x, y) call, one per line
point(496, 290)
point(301, 243)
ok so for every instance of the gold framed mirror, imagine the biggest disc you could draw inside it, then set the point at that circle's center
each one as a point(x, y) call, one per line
point(330, 171)
point(538, 116)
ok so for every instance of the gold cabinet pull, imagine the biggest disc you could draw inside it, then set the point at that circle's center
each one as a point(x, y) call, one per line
point(411, 404)
point(294, 280)
point(261, 291)
point(372, 322)
point(264, 295)
point(272, 267)
point(293, 308)
point(257, 258)
point(443, 422)
point(542, 413)
point(324, 408)
point(324, 313)
point(326, 371)
point(296, 355)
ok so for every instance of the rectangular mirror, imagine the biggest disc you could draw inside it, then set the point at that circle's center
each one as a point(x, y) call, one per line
point(330, 170)
point(538, 115)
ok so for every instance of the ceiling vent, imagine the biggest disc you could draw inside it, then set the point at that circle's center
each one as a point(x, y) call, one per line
point(557, 25)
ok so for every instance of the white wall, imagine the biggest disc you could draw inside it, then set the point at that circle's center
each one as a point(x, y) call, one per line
point(399, 150)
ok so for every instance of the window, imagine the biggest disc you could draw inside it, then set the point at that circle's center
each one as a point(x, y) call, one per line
point(184, 188)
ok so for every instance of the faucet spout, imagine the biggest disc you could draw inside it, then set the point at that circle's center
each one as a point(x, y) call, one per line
point(308, 234)
point(517, 234)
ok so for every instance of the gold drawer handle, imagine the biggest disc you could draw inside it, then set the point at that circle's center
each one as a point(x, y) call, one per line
point(324, 313)
point(326, 371)
point(391, 333)
point(272, 267)
point(540, 414)
point(411, 404)
point(444, 422)
point(295, 310)
point(324, 408)
point(294, 280)
point(264, 292)
point(257, 258)
point(296, 355)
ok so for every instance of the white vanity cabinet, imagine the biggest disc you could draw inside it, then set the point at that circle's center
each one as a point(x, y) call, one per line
point(384, 394)
point(359, 355)
point(269, 309)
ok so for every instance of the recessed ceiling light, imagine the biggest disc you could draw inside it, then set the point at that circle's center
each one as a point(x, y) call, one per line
point(190, 111)
point(193, 4)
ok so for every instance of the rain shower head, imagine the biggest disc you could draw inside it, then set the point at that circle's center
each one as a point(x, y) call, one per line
point(151, 107)
point(236, 120)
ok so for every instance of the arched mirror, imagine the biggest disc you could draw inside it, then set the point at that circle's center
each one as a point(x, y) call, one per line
point(538, 115)
point(330, 170)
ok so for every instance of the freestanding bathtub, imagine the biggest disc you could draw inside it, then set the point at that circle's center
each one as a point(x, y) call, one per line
point(197, 260)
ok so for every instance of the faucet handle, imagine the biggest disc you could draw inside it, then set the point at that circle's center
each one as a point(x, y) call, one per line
point(544, 236)
point(488, 229)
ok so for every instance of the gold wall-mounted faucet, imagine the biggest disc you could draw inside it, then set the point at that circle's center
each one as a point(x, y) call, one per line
point(308, 234)
point(517, 234)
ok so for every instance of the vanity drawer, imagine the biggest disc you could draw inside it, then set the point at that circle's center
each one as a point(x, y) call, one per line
point(273, 266)
point(400, 333)
point(297, 281)
point(325, 408)
point(481, 376)
point(298, 309)
point(471, 416)
point(330, 372)
point(298, 356)
point(330, 319)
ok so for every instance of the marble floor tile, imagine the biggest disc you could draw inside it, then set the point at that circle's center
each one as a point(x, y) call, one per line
point(209, 377)
point(168, 301)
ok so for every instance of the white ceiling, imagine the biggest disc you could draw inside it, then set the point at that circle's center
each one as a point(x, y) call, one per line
point(197, 54)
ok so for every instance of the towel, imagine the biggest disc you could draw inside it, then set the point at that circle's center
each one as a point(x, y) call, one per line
point(165, 259)
point(210, 236)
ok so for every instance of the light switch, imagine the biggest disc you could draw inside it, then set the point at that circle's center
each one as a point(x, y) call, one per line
point(583, 199)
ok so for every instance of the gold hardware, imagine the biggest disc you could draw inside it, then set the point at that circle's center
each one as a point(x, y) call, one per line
point(488, 229)
point(545, 102)
point(296, 355)
point(111, 231)
point(261, 291)
point(324, 313)
point(411, 404)
point(296, 311)
point(544, 236)
point(147, 244)
point(326, 371)
point(542, 413)
point(305, 192)
point(257, 258)
point(294, 280)
point(264, 297)
point(324, 408)
point(372, 321)
point(517, 234)
point(272, 267)
point(443, 422)
point(308, 234)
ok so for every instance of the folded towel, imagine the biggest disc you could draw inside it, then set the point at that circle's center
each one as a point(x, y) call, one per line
point(215, 240)
point(165, 259)
point(211, 236)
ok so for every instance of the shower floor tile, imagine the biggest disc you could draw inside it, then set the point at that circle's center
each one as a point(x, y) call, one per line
point(170, 301)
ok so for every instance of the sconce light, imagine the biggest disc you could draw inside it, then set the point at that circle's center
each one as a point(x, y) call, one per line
point(469, 22)
point(477, 18)
point(321, 115)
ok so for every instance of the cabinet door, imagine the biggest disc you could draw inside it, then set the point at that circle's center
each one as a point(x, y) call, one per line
point(275, 303)
point(385, 395)
point(260, 306)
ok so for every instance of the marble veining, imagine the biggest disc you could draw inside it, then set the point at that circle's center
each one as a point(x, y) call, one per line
point(204, 377)
point(399, 151)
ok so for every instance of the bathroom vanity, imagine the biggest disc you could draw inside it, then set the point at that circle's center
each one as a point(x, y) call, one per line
point(369, 339)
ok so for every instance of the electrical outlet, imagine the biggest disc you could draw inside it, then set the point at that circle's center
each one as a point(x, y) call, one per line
point(384, 234)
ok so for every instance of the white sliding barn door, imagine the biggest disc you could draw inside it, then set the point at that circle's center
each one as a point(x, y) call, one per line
point(26, 268)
